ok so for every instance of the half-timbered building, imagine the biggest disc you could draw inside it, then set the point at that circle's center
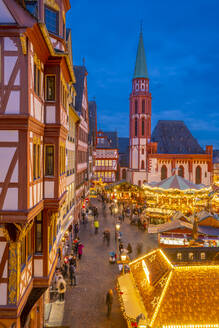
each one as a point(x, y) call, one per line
point(106, 160)
point(36, 76)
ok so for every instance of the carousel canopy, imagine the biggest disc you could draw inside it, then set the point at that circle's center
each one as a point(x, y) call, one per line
point(176, 182)
point(181, 295)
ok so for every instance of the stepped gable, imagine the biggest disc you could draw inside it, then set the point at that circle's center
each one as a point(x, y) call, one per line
point(173, 137)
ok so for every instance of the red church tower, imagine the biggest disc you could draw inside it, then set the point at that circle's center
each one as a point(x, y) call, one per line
point(140, 118)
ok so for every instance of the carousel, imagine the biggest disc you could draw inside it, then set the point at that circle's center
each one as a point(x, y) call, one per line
point(174, 194)
point(126, 193)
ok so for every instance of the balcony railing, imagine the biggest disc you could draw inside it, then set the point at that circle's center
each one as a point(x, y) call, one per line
point(105, 168)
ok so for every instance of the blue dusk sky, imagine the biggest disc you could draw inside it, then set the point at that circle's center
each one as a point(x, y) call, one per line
point(181, 40)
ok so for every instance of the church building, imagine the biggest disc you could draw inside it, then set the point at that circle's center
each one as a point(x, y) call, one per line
point(170, 149)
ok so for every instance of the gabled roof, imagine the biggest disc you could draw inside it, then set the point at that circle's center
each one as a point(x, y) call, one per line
point(170, 295)
point(80, 73)
point(140, 64)
point(111, 140)
point(173, 137)
point(216, 156)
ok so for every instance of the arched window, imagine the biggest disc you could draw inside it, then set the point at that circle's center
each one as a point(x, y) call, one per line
point(123, 174)
point(198, 175)
point(181, 171)
point(142, 151)
point(142, 165)
point(136, 127)
point(142, 127)
point(143, 106)
point(136, 106)
point(163, 172)
point(139, 183)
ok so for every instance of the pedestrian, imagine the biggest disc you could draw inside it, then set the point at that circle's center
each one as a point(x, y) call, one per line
point(109, 302)
point(108, 237)
point(121, 247)
point(61, 288)
point(83, 217)
point(139, 249)
point(73, 261)
point(129, 248)
point(96, 226)
point(72, 270)
point(80, 250)
point(76, 230)
point(65, 268)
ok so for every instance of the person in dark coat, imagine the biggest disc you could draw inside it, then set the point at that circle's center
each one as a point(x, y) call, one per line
point(72, 275)
point(129, 248)
point(109, 302)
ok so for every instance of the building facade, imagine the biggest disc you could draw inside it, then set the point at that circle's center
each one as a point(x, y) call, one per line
point(171, 149)
point(92, 137)
point(106, 160)
point(36, 85)
point(81, 104)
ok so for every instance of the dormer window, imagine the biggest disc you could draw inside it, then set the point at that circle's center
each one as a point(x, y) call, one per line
point(32, 7)
point(52, 20)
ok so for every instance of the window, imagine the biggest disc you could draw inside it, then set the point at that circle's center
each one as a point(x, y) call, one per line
point(198, 179)
point(181, 171)
point(23, 252)
point(202, 256)
point(32, 7)
point(38, 161)
point(142, 151)
point(37, 82)
point(163, 172)
point(191, 256)
point(179, 256)
point(34, 162)
point(139, 183)
point(29, 244)
point(50, 87)
point(49, 161)
point(136, 127)
point(143, 106)
point(142, 165)
point(136, 106)
point(52, 20)
point(142, 127)
point(39, 233)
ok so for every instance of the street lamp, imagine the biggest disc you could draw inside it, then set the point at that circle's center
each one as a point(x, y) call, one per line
point(124, 261)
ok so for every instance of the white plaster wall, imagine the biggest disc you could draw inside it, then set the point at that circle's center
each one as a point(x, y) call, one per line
point(135, 158)
point(142, 176)
point(6, 155)
point(34, 193)
point(11, 199)
point(142, 141)
point(13, 105)
point(50, 114)
point(14, 177)
point(9, 45)
point(31, 104)
point(81, 166)
point(3, 293)
point(5, 15)
point(38, 268)
point(30, 197)
point(17, 79)
point(9, 135)
point(49, 189)
point(9, 63)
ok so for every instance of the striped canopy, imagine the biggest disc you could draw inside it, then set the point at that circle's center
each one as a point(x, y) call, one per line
point(176, 182)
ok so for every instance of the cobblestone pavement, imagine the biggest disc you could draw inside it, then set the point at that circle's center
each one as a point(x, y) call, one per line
point(85, 303)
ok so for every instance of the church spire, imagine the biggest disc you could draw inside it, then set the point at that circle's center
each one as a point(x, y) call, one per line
point(140, 64)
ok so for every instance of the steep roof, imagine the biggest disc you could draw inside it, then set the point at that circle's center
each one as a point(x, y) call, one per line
point(140, 64)
point(216, 156)
point(92, 111)
point(80, 73)
point(124, 152)
point(171, 295)
point(111, 140)
point(173, 137)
